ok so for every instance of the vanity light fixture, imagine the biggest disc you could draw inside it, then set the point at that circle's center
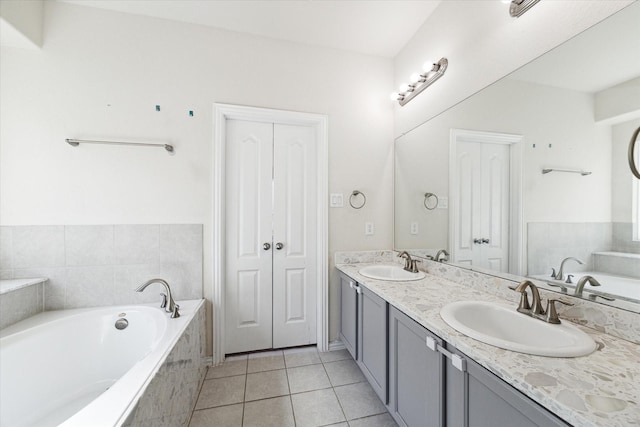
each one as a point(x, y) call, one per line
point(518, 7)
point(431, 71)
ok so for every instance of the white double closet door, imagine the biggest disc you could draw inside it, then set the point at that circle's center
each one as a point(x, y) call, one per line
point(481, 228)
point(271, 226)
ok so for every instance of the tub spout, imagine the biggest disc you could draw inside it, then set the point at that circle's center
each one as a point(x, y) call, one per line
point(167, 299)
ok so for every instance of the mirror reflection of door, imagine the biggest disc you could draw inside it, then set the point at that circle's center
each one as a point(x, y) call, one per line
point(480, 185)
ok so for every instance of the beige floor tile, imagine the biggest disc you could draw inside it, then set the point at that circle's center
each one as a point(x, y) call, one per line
point(223, 416)
point(307, 378)
point(359, 400)
point(316, 408)
point(301, 357)
point(262, 385)
point(333, 356)
point(228, 369)
point(382, 420)
point(221, 391)
point(265, 361)
point(275, 412)
point(344, 372)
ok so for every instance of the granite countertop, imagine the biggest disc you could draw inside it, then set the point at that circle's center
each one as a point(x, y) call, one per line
point(601, 389)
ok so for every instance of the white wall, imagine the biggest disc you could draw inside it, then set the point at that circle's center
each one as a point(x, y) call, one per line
point(21, 23)
point(100, 75)
point(483, 43)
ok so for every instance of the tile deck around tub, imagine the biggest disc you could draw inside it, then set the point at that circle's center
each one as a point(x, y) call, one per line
point(293, 387)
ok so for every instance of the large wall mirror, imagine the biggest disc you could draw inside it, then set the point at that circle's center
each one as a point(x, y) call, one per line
point(531, 175)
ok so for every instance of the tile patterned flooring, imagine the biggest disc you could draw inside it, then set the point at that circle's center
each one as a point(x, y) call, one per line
point(294, 387)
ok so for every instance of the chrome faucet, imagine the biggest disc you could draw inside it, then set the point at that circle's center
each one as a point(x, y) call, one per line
point(409, 263)
point(582, 282)
point(442, 255)
point(168, 303)
point(559, 275)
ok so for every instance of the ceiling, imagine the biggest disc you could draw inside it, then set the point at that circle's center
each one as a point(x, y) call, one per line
point(378, 27)
point(599, 58)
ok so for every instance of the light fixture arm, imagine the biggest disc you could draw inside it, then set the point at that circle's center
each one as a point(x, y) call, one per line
point(426, 80)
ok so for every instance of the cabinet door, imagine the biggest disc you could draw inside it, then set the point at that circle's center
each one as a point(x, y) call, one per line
point(348, 314)
point(372, 340)
point(415, 374)
point(477, 398)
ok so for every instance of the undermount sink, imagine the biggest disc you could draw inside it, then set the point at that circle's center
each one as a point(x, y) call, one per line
point(393, 273)
point(504, 327)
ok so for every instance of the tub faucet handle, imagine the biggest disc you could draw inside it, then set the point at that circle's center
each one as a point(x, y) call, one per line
point(175, 312)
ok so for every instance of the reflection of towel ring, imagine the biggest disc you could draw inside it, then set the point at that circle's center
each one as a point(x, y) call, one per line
point(427, 196)
point(355, 194)
point(632, 163)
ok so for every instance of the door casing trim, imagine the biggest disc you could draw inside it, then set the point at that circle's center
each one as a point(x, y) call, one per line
point(222, 113)
point(515, 143)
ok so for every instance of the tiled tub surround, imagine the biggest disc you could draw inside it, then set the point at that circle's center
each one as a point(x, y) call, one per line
point(596, 390)
point(623, 238)
point(170, 397)
point(618, 263)
point(548, 243)
point(99, 265)
point(102, 374)
point(19, 299)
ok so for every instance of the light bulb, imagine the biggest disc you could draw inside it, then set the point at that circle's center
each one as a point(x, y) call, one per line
point(404, 87)
point(394, 96)
point(415, 78)
point(428, 66)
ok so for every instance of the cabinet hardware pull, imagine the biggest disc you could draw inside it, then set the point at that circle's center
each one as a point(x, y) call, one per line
point(458, 362)
point(266, 246)
point(279, 245)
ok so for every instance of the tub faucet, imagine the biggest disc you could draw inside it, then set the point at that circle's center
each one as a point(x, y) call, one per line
point(168, 303)
point(582, 282)
point(559, 275)
point(442, 255)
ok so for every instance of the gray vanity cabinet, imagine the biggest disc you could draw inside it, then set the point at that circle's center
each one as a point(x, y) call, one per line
point(477, 398)
point(416, 374)
point(348, 314)
point(372, 340)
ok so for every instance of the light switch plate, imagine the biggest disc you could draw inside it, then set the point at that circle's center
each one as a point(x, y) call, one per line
point(336, 200)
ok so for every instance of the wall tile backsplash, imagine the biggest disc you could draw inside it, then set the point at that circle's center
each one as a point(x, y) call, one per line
point(96, 265)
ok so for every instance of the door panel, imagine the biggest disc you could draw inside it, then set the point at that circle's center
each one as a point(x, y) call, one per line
point(249, 149)
point(294, 225)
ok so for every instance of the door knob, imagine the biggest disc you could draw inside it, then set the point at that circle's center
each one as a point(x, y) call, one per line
point(477, 241)
point(279, 245)
point(485, 240)
point(266, 246)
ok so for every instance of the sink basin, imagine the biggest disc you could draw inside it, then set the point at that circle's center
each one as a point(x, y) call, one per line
point(502, 326)
point(393, 273)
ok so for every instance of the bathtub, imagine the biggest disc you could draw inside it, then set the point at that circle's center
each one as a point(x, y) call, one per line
point(616, 286)
point(74, 368)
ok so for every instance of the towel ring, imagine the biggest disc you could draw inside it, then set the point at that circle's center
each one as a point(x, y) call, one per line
point(428, 196)
point(632, 145)
point(355, 194)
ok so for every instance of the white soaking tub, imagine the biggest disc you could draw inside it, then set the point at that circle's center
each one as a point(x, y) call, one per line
point(75, 368)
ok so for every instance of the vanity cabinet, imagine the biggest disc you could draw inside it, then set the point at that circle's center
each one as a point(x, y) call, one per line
point(349, 314)
point(363, 330)
point(372, 340)
point(416, 374)
point(477, 398)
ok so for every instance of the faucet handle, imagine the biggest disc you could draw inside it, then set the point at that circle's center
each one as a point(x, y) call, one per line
point(553, 272)
point(163, 304)
point(552, 314)
point(414, 265)
point(175, 312)
point(569, 276)
point(524, 306)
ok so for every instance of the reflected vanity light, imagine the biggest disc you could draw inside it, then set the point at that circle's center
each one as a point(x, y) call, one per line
point(431, 71)
point(518, 7)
